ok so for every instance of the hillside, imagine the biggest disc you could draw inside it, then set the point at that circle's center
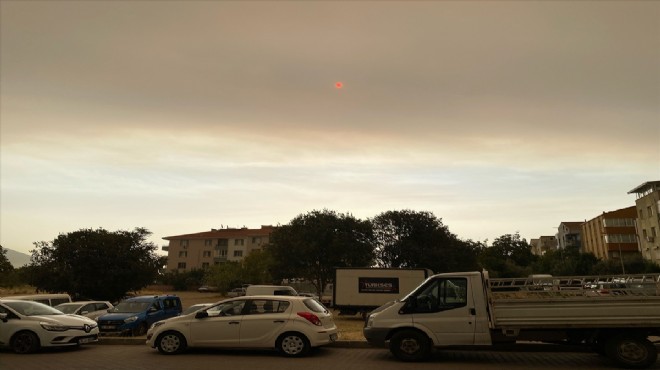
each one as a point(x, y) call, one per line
point(17, 259)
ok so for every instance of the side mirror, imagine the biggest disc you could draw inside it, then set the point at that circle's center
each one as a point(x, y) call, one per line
point(3, 317)
point(201, 314)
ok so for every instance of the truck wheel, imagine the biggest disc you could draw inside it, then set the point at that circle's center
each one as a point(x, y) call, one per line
point(170, 343)
point(410, 345)
point(24, 342)
point(632, 352)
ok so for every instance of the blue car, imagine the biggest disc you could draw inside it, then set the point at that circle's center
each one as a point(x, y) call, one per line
point(135, 315)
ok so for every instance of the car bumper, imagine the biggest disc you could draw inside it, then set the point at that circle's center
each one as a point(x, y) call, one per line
point(376, 337)
point(68, 338)
point(324, 337)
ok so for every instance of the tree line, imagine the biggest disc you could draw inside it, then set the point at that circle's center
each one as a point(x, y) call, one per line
point(96, 263)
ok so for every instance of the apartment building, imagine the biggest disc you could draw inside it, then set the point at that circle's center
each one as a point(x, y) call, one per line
point(611, 235)
point(543, 244)
point(201, 250)
point(647, 205)
point(568, 235)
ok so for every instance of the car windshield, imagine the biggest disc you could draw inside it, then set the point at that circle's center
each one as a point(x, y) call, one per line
point(68, 308)
point(28, 308)
point(131, 307)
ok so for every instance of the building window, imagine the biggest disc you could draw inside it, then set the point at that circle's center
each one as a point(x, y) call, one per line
point(208, 242)
point(238, 241)
point(238, 253)
point(649, 211)
point(222, 253)
point(206, 254)
point(181, 265)
point(620, 238)
point(205, 265)
point(256, 240)
point(222, 243)
point(183, 242)
point(183, 253)
point(641, 213)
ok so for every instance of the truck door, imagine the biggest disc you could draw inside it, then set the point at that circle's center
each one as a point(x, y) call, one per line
point(445, 308)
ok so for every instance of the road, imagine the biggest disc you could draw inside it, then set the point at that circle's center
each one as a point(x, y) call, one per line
point(129, 357)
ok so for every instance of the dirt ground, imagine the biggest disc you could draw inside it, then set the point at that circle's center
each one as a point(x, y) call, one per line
point(350, 327)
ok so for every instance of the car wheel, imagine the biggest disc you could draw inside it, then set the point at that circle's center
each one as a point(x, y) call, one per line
point(25, 342)
point(170, 343)
point(293, 345)
point(632, 352)
point(140, 330)
point(410, 345)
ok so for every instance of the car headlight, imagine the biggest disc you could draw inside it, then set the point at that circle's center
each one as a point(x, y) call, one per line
point(156, 324)
point(130, 319)
point(370, 321)
point(53, 327)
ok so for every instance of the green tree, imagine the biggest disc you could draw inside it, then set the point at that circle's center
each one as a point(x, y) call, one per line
point(411, 239)
point(566, 261)
point(509, 256)
point(224, 276)
point(312, 245)
point(95, 263)
point(7, 273)
point(257, 267)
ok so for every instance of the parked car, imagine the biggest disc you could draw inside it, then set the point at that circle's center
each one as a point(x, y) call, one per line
point(195, 308)
point(25, 326)
point(50, 299)
point(311, 295)
point(291, 324)
point(236, 292)
point(270, 290)
point(91, 309)
point(134, 315)
point(206, 289)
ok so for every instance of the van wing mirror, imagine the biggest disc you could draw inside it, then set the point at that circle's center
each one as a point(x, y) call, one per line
point(3, 317)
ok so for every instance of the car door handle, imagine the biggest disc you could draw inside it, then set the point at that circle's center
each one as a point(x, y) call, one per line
point(278, 321)
point(234, 322)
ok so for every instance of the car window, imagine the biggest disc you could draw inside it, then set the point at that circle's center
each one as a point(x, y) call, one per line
point(68, 308)
point(131, 307)
point(29, 308)
point(233, 308)
point(264, 306)
point(314, 305)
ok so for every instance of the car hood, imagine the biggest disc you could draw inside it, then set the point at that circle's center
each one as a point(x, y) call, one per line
point(118, 315)
point(69, 320)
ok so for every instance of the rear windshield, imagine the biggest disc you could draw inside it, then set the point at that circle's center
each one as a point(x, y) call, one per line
point(314, 305)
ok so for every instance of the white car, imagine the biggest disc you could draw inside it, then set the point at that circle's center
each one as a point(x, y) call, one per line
point(291, 324)
point(91, 309)
point(25, 326)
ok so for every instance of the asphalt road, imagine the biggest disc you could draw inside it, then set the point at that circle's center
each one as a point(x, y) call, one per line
point(129, 357)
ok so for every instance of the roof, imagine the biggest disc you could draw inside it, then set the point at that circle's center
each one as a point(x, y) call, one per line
point(225, 233)
point(645, 186)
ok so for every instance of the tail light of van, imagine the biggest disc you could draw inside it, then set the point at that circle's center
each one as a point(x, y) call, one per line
point(310, 317)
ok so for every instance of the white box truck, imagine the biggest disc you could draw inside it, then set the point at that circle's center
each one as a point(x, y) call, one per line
point(616, 316)
point(361, 290)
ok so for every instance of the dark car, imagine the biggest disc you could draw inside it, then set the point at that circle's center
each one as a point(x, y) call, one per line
point(134, 315)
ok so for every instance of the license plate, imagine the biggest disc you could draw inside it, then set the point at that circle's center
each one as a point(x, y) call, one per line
point(109, 327)
point(333, 337)
point(85, 340)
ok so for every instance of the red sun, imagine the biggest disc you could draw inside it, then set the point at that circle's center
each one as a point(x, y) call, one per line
point(339, 85)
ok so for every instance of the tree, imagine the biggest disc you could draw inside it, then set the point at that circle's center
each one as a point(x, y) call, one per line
point(566, 261)
point(6, 269)
point(509, 256)
point(95, 263)
point(312, 245)
point(258, 266)
point(224, 276)
point(5, 265)
point(411, 239)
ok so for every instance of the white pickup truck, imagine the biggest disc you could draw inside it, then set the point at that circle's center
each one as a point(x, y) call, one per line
point(613, 315)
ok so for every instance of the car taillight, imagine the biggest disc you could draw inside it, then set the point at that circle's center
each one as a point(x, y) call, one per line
point(310, 317)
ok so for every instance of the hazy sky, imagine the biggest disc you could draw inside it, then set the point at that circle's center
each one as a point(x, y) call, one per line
point(184, 116)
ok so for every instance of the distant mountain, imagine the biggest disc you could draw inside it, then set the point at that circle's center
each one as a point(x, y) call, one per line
point(17, 259)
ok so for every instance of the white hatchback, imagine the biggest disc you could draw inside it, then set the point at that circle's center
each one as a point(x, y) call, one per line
point(291, 324)
point(25, 326)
